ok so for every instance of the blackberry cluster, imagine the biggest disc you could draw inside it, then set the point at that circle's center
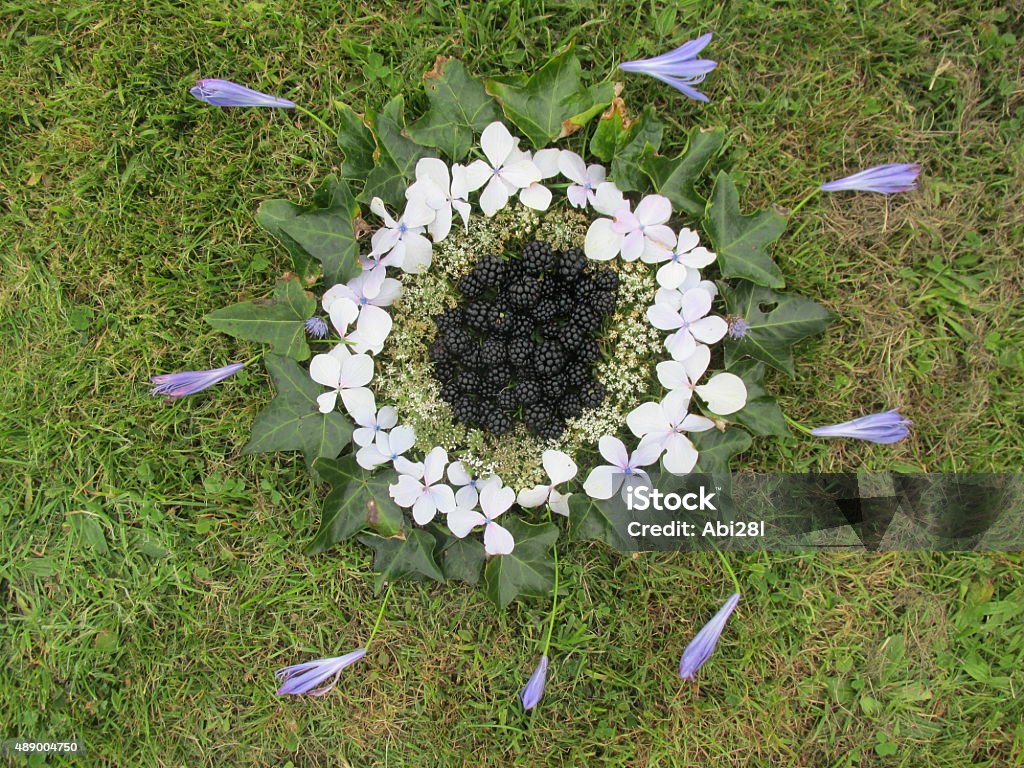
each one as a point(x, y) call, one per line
point(522, 343)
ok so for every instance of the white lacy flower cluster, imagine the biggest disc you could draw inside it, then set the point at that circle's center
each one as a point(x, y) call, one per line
point(681, 306)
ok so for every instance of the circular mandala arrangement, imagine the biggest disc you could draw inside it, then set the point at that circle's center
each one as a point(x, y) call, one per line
point(524, 333)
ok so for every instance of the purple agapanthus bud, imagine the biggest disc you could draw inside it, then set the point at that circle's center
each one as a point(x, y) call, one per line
point(703, 644)
point(534, 688)
point(887, 427)
point(887, 179)
point(679, 68)
point(224, 93)
point(316, 327)
point(315, 677)
point(176, 385)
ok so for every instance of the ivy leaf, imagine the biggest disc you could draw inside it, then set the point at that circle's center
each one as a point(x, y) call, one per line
point(279, 321)
point(459, 107)
point(272, 215)
point(324, 231)
point(411, 557)
point(358, 499)
point(529, 570)
point(597, 520)
point(740, 241)
point(356, 142)
point(675, 177)
point(627, 144)
point(396, 157)
point(552, 103)
point(716, 448)
point(462, 559)
point(292, 422)
point(761, 415)
point(777, 321)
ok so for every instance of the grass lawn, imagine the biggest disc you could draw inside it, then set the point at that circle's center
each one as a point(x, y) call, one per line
point(127, 213)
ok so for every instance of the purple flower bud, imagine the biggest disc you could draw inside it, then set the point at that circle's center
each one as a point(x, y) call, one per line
point(738, 327)
point(176, 385)
point(316, 327)
point(679, 68)
point(534, 688)
point(224, 93)
point(885, 428)
point(703, 644)
point(887, 179)
point(315, 677)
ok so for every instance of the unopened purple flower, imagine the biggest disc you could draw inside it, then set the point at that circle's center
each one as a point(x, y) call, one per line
point(887, 427)
point(315, 677)
point(887, 179)
point(703, 644)
point(224, 93)
point(316, 327)
point(534, 688)
point(679, 68)
point(176, 385)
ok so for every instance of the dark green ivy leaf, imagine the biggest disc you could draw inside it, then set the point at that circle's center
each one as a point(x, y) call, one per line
point(396, 157)
point(741, 242)
point(411, 557)
point(675, 177)
point(627, 144)
point(596, 520)
point(716, 449)
point(776, 322)
point(529, 570)
point(553, 102)
point(272, 216)
point(279, 321)
point(324, 231)
point(462, 559)
point(356, 142)
point(292, 422)
point(761, 415)
point(358, 499)
point(459, 107)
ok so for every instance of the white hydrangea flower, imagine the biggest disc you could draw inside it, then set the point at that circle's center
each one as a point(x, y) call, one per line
point(436, 188)
point(631, 234)
point(401, 243)
point(682, 376)
point(469, 486)
point(371, 287)
point(419, 486)
point(495, 500)
point(623, 468)
point(586, 178)
point(371, 421)
point(686, 256)
point(387, 447)
point(664, 425)
point(505, 171)
point(687, 315)
point(561, 469)
point(346, 374)
point(372, 324)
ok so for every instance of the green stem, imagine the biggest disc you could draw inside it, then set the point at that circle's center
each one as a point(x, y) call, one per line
point(254, 358)
point(316, 117)
point(804, 202)
point(380, 615)
point(796, 425)
point(554, 602)
point(728, 567)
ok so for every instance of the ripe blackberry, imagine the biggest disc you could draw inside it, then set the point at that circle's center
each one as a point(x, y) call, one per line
point(572, 264)
point(588, 317)
point(546, 310)
point(551, 331)
point(566, 303)
point(537, 415)
point(493, 351)
point(589, 351)
point(439, 353)
point(571, 406)
point(464, 409)
point(490, 271)
point(605, 302)
point(593, 395)
point(472, 358)
point(478, 316)
point(551, 289)
point(523, 293)
point(469, 382)
point(549, 359)
point(507, 399)
point(471, 287)
point(458, 341)
point(537, 258)
point(520, 326)
point(498, 374)
point(449, 320)
point(520, 351)
point(573, 335)
point(497, 422)
point(528, 392)
point(489, 389)
point(606, 280)
point(553, 387)
point(450, 391)
point(576, 376)
point(552, 430)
